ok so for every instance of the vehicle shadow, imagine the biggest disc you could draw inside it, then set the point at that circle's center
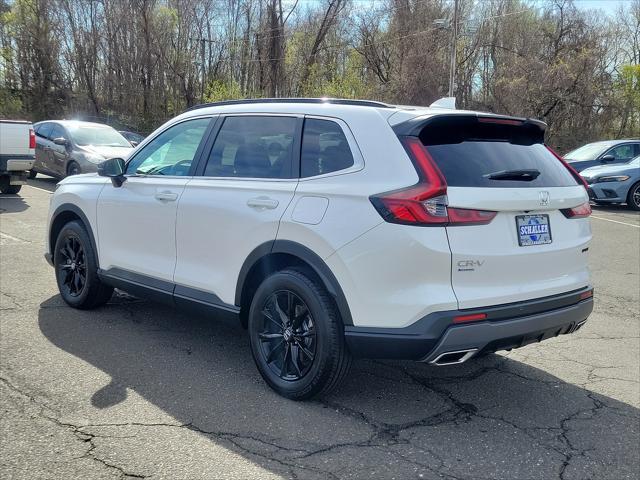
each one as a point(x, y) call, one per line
point(12, 204)
point(491, 418)
point(616, 208)
point(43, 181)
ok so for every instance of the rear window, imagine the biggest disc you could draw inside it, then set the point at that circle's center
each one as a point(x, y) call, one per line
point(471, 163)
point(498, 153)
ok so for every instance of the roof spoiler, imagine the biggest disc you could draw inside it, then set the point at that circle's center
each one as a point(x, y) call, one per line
point(445, 102)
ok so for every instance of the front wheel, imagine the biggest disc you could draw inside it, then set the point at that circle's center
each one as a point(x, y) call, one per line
point(297, 337)
point(76, 269)
point(32, 174)
point(6, 187)
point(633, 197)
point(73, 169)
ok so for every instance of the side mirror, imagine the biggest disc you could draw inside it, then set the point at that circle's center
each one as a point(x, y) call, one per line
point(114, 169)
point(608, 158)
point(133, 143)
point(61, 141)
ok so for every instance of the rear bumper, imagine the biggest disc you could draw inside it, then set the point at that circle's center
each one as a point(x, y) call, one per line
point(16, 163)
point(507, 326)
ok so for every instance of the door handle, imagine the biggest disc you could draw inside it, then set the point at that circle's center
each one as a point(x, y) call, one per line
point(262, 202)
point(166, 196)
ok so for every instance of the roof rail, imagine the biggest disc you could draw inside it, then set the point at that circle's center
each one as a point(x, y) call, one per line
point(333, 101)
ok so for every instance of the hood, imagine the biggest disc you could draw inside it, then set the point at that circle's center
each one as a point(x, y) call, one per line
point(106, 151)
point(607, 169)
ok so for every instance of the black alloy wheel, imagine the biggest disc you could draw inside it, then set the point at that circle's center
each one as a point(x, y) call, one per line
point(73, 266)
point(288, 335)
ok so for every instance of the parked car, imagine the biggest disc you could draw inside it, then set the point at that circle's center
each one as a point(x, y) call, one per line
point(17, 147)
point(69, 147)
point(603, 153)
point(341, 241)
point(134, 138)
point(618, 183)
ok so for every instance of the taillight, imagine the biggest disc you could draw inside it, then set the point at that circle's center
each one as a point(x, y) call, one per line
point(425, 203)
point(581, 211)
point(32, 138)
point(572, 170)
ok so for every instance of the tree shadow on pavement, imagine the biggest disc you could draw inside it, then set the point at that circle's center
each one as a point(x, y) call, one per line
point(491, 418)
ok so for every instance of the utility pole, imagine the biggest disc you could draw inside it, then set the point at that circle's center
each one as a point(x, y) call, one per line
point(454, 42)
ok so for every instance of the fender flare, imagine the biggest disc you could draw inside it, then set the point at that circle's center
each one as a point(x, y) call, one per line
point(70, 207)
point(308, 256)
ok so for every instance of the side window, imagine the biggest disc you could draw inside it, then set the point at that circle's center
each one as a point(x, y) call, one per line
point(253, 147)
point(56, 132)
point(324, 148)
point(44, 130)
point(171, 152)
point(623, 152)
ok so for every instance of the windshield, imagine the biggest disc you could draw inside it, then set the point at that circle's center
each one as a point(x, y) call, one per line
point(97, 136)
point(590, 151)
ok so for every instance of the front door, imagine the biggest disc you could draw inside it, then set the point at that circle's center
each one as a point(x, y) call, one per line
point(136, 222)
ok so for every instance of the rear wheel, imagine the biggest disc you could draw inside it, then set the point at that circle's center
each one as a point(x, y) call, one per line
point(76, 269)
point(73, 169)
point(633, 197)
point(297, 337)
point(6, 187)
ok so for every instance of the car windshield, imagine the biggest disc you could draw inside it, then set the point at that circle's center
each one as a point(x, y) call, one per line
point(97, 136)
point(590, 151)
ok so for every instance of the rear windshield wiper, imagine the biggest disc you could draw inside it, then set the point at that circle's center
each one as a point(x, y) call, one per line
point(521, 175)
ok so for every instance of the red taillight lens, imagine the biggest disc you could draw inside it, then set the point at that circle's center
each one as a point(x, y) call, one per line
point(473, 317)
point(581, 211)
point(572, 170)
point(426, 202)
point(32, 138)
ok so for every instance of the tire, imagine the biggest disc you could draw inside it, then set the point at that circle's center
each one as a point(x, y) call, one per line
point(76, 269)
point(7, 188)
point(73, 169)
point(32, 174)
point(633, 197)
point(314, 337)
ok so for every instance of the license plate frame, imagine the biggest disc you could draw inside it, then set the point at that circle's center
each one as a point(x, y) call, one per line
point(542, 237)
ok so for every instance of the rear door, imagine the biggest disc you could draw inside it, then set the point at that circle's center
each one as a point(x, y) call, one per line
point(235, 203)
point(531, 249)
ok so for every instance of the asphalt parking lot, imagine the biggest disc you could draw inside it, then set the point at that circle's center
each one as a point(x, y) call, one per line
point(139, 390)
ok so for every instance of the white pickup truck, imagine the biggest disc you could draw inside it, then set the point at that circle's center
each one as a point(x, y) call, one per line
point(17, 154)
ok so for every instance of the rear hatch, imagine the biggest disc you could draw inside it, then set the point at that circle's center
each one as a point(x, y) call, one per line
point(534, 239)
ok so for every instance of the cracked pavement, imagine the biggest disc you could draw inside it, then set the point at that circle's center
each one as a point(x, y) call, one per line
point(138, 390)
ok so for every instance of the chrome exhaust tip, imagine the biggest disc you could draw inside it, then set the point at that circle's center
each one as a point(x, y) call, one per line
point(453, 358)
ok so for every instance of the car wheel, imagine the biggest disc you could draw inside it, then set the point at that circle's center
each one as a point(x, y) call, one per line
point(32, 174)
point(73, 169)
point(76, 269)
point(633, 197)
point(297, 336)
point(6, 187)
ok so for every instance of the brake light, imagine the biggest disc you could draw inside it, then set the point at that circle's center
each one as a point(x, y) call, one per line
point(425, 203)
point(572, 170)
point(473, 317)
point(32, 138)
point(500, 121)
point(581, 211)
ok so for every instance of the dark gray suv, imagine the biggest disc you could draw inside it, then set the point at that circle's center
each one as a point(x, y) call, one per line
point(68, 147)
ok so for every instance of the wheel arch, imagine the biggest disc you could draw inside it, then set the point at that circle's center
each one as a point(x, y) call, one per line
point(65, 213)
point(273, 256)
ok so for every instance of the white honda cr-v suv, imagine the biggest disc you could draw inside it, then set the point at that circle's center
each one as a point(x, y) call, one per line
point(337, 228)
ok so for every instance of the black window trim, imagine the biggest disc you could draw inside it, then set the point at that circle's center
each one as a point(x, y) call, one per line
point(358, 158)
point(213, 119)
point(213, 135)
